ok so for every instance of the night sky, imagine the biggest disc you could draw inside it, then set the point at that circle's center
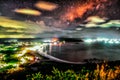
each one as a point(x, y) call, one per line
point(10, 5)
point(63, 14)
point(105, 8)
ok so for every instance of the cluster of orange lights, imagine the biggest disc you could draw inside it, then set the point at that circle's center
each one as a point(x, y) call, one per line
point(54, 39)
point(56, 42)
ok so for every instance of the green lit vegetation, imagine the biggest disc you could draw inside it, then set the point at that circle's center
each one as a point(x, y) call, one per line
point(12, 57)
point(7, 59)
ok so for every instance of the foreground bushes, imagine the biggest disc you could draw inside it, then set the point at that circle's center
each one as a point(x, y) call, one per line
point(58, 75)
point(102, 72)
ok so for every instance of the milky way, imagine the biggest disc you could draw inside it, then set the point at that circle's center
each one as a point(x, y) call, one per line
point(63, 12)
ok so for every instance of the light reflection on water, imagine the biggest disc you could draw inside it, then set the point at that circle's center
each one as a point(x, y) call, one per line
point(80, 52)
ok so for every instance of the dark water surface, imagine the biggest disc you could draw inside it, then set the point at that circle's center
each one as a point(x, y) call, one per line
point(80, 52)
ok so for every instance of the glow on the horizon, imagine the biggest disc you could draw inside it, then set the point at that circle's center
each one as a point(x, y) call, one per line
point(11, 28)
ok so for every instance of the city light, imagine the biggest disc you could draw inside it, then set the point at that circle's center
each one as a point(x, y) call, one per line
point(88, 40)
point(23, 61)
point(104, 40)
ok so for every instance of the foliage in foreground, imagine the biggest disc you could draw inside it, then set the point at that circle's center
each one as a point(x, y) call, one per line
point(102, 72)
